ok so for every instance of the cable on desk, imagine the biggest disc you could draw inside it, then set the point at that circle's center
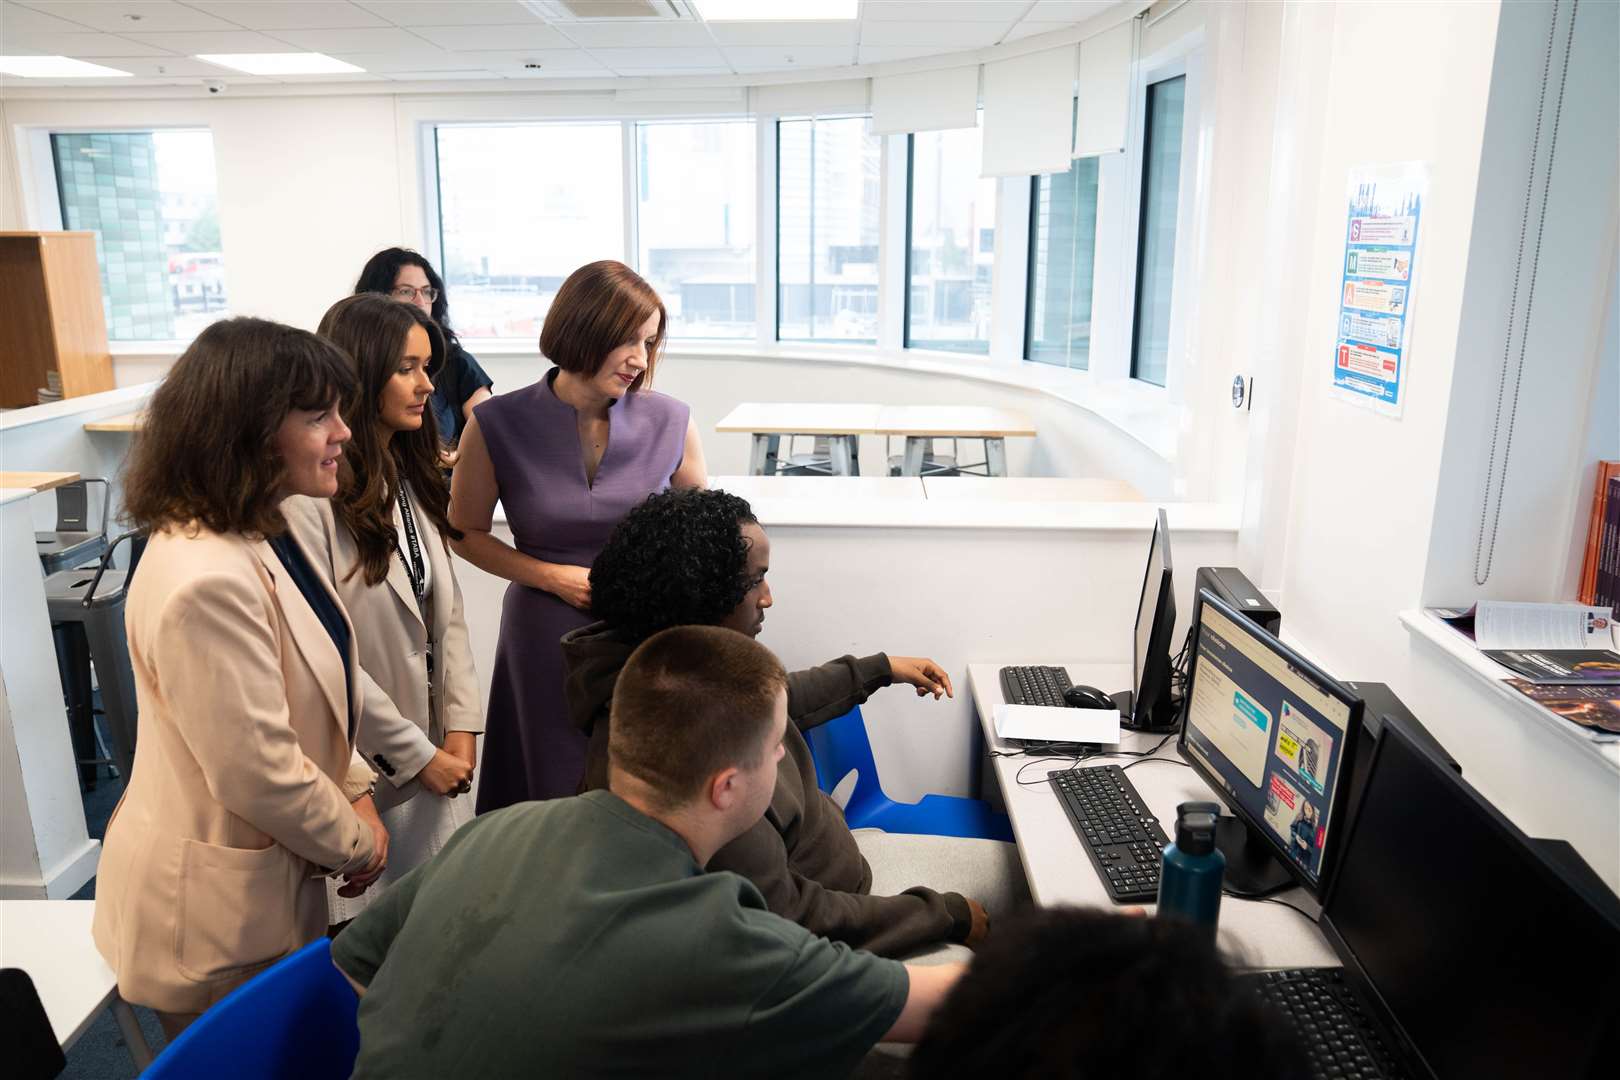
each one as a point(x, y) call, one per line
point(1273, 900)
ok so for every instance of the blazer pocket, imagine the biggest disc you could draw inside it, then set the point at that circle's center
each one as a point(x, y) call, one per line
point(235, 908)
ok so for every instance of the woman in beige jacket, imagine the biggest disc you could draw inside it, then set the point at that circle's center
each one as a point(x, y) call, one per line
point(245, 790)
point(383, 540)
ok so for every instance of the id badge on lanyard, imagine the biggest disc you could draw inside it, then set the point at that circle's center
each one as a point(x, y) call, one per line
point(417, 573)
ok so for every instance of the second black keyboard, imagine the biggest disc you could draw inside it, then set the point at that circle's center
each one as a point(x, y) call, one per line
point(1035, 685)
point(1338, 1035)
point(1118, 831)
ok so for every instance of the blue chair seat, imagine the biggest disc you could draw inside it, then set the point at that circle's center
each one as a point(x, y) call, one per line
point(842, 746)
point(295, 1019)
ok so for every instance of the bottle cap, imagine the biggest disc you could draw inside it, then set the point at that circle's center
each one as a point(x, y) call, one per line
point(1195, 827)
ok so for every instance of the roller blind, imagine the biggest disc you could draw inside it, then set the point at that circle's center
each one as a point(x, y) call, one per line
point(1104, 91)
point(1028, 108)
point(925, 101)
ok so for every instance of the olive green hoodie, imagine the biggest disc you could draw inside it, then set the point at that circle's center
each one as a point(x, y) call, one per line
point(801, 855)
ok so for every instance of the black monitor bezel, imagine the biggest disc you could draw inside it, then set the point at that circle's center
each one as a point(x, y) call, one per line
point(1338, 806)
point(1162, 633)
point(1550, 874)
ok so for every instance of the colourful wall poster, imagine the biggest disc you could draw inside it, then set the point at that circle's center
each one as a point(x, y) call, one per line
point(1383, 215)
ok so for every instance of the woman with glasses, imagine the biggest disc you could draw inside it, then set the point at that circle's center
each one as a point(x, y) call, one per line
point(461, 383)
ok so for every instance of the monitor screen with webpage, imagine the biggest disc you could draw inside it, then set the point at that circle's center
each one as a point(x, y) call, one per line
point(1271, 735)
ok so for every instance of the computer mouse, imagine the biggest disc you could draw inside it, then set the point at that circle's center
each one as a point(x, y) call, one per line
point(1087, 697)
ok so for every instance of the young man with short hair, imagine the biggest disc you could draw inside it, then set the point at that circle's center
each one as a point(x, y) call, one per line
point(582, 936)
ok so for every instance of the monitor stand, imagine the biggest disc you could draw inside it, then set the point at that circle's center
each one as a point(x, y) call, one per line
point(1251, 867)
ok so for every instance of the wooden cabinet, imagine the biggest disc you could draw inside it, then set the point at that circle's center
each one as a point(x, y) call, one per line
point(50, 293)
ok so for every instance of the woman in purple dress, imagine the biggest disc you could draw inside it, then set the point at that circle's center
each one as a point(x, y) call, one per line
point(567, 458)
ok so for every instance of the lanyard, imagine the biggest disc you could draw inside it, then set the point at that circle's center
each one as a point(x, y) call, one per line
point(416, 572)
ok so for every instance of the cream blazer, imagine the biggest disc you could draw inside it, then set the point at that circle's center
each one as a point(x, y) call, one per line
point(238, 800)
point(399, 732)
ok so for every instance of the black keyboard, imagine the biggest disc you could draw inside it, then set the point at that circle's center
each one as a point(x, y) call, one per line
point(1034, 685)
point(1116, 828)
point(1340, 1039)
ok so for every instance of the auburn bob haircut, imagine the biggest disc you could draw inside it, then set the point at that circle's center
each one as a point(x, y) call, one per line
point(599, 308)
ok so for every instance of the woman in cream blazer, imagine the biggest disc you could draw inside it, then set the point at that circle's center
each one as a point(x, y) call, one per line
point(426, 762)
point(245, 789)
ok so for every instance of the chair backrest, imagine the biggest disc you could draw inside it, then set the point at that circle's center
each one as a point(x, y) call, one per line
point(296, 1019)
point(839, 747)
point(73, 507)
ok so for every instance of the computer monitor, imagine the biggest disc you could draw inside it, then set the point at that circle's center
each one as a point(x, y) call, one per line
point(1486, 956)
point(1150, 703)
point(1270, 733)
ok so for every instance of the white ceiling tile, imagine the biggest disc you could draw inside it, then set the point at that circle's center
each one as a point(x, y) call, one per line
point(16, 19)
point(290, 14)
point(476, 38)
point(943, 36)
point(667, 59)
point(448, 12)
point(572, 62)
point(637, 35)
point(126, 17)
point(348, 76)
point(1068, 11)
point(213, 41)
point(789, 58)
point(83, 46)
point(368, 39)
point(1030, 29)
point(1003, 11)
point(441, 76)
point(172, 67)
point(426, 58)
point(878, 54)
point(653, 73)
point(784, 33)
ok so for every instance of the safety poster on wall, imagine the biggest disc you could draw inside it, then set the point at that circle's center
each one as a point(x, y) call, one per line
point(1383, 215)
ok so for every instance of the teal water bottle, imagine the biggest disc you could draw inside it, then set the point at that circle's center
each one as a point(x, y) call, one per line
point(1190, 879)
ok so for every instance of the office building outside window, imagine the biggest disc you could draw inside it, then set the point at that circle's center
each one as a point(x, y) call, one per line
point(1063, 245)
point(828, 188)
point(695, 224)
point(950, 249)
point(1156, 237)
point(522, 206)
point(149, 196)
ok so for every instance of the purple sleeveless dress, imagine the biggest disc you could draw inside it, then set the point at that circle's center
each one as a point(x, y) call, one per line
point(531, 751)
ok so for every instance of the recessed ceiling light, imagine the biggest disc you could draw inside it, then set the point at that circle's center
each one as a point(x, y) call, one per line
point(288, 63)
point(775, 10)
point(56, 67)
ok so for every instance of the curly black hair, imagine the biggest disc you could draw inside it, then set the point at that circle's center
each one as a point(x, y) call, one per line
point(677, 559)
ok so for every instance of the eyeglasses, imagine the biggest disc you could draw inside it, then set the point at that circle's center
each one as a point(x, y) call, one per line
point(411, 292)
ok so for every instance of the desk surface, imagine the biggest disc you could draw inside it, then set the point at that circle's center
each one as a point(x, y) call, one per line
point(50, 940)
point(1255, 933)
point(38, 481)
point(125, 422)
point(802, 418)
point(959, 421)
point(1029, 489)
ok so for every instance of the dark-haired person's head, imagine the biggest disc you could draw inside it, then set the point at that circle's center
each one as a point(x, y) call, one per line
point(605, 327)
point(247, 416)
point(698, 718)
point(395, 349)
point(406, 276)
point(1066, 994)
point(684, 557)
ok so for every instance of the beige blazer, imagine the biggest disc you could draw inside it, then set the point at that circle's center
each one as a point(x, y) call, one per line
point(399, 732)
point(238, 800)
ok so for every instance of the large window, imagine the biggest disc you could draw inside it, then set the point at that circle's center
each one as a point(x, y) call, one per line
point(950, 249)
point(1156, 237)
point(520, 208)
point(695, 224)
point(1063, 243)
point(828, 186)
point(149, 197)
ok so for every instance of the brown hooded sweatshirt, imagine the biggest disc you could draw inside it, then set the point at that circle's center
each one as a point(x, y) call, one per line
point(801, 855)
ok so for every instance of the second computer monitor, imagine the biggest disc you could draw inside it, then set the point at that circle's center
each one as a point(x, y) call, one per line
point(1271, 734)
point(1153, 705)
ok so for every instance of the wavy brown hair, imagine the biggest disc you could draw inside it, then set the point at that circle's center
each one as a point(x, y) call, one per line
point(372, 330)
point(206, 452)
point(600, 307)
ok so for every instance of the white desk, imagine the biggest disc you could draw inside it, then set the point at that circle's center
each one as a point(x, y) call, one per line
point(1255, 933)
point(842, 425)
point(50, 940)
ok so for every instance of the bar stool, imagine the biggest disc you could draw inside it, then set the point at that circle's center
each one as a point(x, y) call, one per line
point(89, 607)
point(72, 543)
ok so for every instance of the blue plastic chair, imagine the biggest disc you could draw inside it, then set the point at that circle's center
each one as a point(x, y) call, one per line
point(841, 746)
point(296, 1019)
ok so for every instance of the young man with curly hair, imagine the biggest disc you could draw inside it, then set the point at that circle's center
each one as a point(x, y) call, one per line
point(699, 557)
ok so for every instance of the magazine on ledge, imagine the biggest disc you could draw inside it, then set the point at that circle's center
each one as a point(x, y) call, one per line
point(1557, 667)
point(1595, 709)
point(1504, 624)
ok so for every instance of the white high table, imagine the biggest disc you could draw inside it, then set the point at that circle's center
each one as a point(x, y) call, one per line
point(1254, 933)
point(50, 940)
point(841, 425)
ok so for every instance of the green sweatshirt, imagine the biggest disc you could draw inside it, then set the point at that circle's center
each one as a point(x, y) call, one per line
point(578, 937)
